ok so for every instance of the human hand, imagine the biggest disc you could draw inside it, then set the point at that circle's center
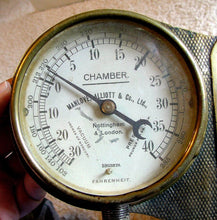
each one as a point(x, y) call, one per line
point(19, 194)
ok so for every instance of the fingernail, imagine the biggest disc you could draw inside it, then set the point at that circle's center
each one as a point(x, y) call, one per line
point(5, 87)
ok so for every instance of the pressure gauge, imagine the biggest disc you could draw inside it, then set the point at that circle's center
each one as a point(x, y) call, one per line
point(108, 107)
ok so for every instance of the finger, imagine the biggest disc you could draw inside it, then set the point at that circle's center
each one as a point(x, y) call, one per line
point(7, 141)
point(5, 131)
point(29, 195)
point(14, 166)
point(10, 80)
point(5, 94)
point(8, 206)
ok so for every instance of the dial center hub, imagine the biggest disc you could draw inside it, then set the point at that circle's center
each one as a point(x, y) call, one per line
point(108, 107)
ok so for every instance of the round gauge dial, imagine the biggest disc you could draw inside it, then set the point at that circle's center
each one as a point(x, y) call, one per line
point(107, 105)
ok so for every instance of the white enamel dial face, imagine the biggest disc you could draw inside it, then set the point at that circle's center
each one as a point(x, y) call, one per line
point(148, 88)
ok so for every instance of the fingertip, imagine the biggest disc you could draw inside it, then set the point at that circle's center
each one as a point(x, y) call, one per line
point(10, 81)
point(5, 87)
point(5, 94)
point(29, 195)
point(33, 189)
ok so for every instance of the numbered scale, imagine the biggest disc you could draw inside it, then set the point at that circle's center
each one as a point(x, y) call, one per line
point(108, 108)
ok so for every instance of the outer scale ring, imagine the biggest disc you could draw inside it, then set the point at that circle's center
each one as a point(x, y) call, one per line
point(97, 202)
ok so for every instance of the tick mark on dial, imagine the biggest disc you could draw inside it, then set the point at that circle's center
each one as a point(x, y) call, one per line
point(67, 57)
point(171, 132)
point(92, 43)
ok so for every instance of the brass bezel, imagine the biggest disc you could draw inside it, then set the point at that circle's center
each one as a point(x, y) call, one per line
point(98, 202)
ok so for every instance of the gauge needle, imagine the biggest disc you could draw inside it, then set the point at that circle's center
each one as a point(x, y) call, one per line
point(107, 106)
point(143, 58)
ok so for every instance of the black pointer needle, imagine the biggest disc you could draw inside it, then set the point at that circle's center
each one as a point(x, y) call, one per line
point(135, 124)
point(141, 60)
point(98, 101)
